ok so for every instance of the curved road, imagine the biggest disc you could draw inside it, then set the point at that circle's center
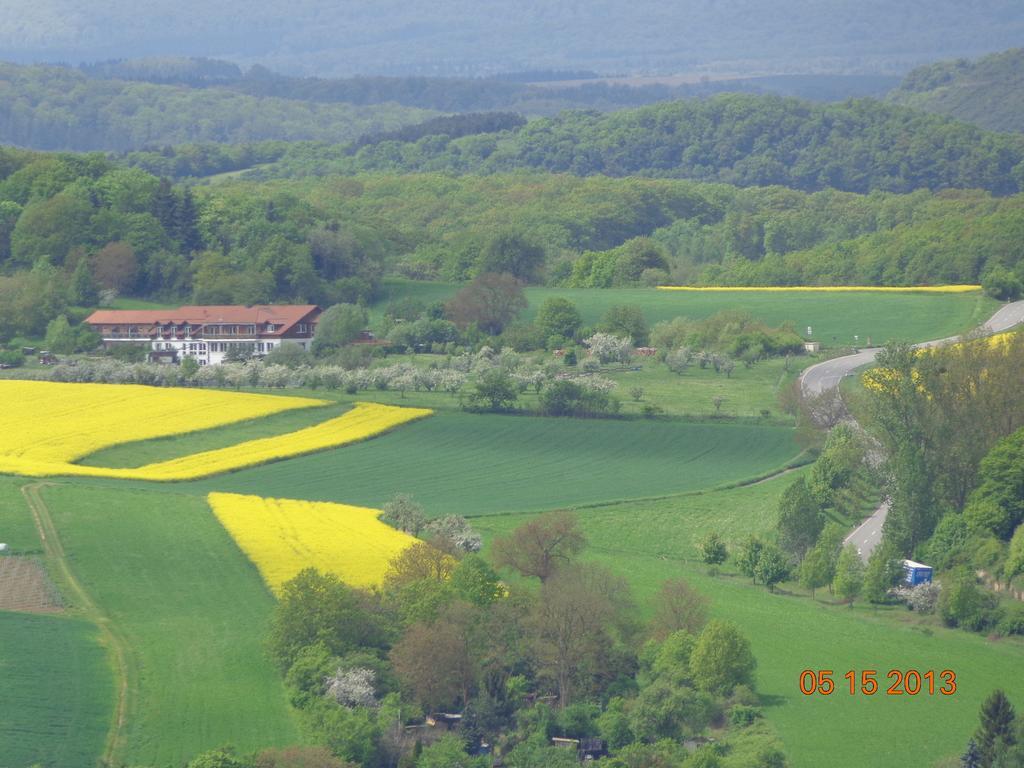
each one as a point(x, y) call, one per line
point(826, 376)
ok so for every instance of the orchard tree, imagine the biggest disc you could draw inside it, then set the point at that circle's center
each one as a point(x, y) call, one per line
point(402, 512)
point(608, 348)
point(749, 556)
point(772, 566)
point(712, 549)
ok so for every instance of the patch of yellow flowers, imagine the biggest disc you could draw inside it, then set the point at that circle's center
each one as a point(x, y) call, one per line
point(43, 430)
point(831, 288)
point(283, 536)
point(56, 422)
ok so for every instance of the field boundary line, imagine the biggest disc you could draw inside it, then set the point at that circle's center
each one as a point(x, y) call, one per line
point(116, 646)
point(800, 461)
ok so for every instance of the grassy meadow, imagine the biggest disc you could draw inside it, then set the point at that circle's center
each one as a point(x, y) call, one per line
point(835, 317)
point(57, 694)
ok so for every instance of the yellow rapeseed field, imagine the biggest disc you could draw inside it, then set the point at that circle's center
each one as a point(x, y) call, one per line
point(283, 536)
point(47, 421)
point(28, 448)
point(837, 288)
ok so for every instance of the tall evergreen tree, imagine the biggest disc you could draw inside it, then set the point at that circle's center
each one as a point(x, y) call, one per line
point(187, 223)
point(84, 292)
point(165, 207)
point(996, 729)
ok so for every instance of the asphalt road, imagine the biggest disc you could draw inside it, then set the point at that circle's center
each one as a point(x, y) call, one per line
point(825, 376)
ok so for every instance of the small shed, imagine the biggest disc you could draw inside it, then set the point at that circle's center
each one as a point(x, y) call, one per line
point(812, 346)
point(916, 573)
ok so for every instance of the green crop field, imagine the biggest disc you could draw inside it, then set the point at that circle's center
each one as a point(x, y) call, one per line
point(16, 527)
point(56, 693)
point(835, 317)
point(135, 454)
point(192, 612)
point(458, 463)
point(649, 542)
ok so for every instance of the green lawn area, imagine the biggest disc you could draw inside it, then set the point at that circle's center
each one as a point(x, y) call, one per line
point(465, 463)
point(56, 696)
point(649, 542)
point(834, 317)
point(193, 614)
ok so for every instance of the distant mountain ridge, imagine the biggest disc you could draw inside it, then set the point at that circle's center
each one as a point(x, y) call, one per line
point(988, 92)
point(470, 38)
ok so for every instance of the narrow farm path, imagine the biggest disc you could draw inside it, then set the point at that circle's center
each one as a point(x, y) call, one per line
point(116, 644)
point(823, 377)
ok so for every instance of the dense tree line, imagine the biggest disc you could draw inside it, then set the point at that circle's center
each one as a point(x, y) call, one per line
point(109, 228)
point(858, 146)
point(59, 108)
point(988, 92)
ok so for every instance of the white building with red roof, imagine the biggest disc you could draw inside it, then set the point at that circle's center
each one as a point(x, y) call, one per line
point(208, 333)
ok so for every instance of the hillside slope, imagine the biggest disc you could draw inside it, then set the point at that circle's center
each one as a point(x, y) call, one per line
point(988, 92)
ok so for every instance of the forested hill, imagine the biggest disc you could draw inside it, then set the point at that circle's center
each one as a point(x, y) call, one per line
point(59, 108)
point(465, 38)
point(988, 92)
point(858, 146)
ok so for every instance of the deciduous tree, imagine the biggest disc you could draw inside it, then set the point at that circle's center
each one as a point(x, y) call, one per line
point(541, 546)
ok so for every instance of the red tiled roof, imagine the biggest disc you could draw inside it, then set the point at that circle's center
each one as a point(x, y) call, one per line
point(282, 315)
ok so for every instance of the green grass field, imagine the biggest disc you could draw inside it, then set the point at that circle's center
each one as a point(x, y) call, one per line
point(472, 464)
point(56, 693)
point(649, 542)
point(193, 613)
point(834, 317)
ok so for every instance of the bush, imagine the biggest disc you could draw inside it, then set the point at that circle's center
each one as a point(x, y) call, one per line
point(11, 358)
point(567, 398)
point(1000, 283)
point(964, 604)
point(1012, 622)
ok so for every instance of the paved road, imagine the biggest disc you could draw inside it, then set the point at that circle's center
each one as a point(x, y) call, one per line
point(825, 376)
